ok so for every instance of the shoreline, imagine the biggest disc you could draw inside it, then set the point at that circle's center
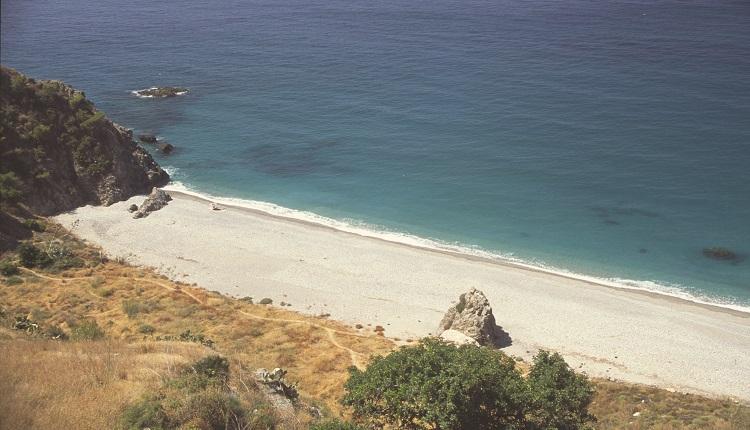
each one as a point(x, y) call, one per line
point(231, 202)
point(642, 338)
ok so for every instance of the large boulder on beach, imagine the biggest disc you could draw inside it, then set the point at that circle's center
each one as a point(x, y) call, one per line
point(457, 338)
point(472, 317)
point(155, 201)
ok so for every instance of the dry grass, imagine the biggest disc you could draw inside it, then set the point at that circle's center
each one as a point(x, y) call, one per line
point(52, 384)
point(80, 385)
point(615, 403)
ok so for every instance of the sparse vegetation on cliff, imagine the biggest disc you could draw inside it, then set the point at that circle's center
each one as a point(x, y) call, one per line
point(58, 152)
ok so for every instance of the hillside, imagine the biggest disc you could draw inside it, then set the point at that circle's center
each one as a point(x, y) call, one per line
point(58, 152)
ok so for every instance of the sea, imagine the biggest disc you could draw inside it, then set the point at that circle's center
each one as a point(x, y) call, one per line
point(604, 139)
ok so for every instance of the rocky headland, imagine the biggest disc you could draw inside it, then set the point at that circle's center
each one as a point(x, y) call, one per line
point(58, 152)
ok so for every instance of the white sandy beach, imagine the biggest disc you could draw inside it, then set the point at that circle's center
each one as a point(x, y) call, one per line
point(628, 335)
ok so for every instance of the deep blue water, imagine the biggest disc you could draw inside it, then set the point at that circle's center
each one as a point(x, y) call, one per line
point(610, 138)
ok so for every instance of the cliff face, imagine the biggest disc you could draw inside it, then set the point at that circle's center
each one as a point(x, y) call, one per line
point(58, 152)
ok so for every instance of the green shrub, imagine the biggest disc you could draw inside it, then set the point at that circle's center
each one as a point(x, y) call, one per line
point(198, 398)
point(559, 396)
point(212, 366)
point(34, 225)
point(56, 332)
point(31, 256)
point(10, 187)
point(335, 424)
point(146, 413)
point(436, 385)
point(14, 280)
point(146, 329)
point(87, 330)
point(214, 409)
point(8, 268)
point(132, 308)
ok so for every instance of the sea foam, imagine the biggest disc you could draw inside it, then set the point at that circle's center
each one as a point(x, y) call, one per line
point(380, 232)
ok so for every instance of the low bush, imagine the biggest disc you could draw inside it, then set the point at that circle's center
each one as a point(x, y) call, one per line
point(146, 329)
point(34, 225)
point(8, 268)
point(55, 332)
point(87, 330)
point(435, 385)
point(198, 398)
point(335, 424)
point(559, 397)
point(13, 280)
point(212, 366)
point(31, 256)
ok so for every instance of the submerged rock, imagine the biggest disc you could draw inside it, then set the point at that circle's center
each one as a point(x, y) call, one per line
point(148, 138)
point(132, 208)
point(165, 148)
point(719, 253)
point(160, 92)
point(155, 201)
point(472, 317)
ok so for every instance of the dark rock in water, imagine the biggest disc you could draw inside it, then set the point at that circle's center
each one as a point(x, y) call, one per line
point(719, 253)
point(165, 148)
point(133, 208)
point(643, 250)
point(611, 222)
point(148, 138)
point(160, 92)
point(155, 201)
point(266, 301)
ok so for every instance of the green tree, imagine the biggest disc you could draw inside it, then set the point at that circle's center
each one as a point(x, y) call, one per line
point(435, 385)
point(559, 397)
point(10, 187)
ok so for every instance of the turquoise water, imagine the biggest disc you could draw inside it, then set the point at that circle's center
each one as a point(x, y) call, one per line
point(607, 138)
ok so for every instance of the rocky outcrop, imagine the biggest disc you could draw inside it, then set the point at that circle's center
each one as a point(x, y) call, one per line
point(471, 316)
point(148, 138)
point(155, 201)
point(64, 152)
point(165, 148)
point(719, 253)
point(160, 92)
point(279, 392)
point(457, 338)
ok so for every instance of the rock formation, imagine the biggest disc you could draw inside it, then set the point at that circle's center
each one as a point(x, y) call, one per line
point(165, 148)
point(471, 317)
point(457, 338)
point(148, 138)
point(278, 391)
point(719, 253)
point(160, 92)
point(63, 152)
point(155, 201)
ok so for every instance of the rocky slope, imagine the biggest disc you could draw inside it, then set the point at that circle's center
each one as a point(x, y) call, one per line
point(58, 152)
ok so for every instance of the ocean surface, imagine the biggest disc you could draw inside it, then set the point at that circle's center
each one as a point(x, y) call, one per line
point(599, 137)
